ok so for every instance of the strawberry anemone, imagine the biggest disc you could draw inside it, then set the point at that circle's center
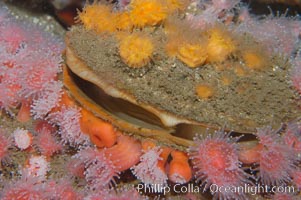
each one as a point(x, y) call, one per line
point(216, 164)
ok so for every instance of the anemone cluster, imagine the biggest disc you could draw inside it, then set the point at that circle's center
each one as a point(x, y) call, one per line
point(51, 148)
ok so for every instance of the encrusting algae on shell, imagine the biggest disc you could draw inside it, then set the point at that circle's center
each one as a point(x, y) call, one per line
point(139, 82)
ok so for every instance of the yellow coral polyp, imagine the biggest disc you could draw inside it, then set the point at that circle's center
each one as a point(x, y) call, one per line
point(98, 17)
point(254, 60)
point(147, 12)
point(171, 48)
point(123, 21)
point(173, 5)
point(192, 55)
point(220, 45)
point(204, 91)
point(240, 71)
point(226, 80)
point(136, 50)
point(87, 16)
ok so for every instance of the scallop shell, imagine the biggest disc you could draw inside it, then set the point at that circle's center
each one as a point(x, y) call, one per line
point(121, 108)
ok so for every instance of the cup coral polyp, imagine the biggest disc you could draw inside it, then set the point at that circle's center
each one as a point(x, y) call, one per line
point(123, 21)
point(176, 4)
point(147, 12)
point(136, 50)
point(204, 91)
point(220, 45)
point(192, 55)
point(98, 17)
point(255, 59)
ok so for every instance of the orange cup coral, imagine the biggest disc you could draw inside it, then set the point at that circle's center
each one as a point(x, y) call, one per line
point(220, 45)
point(173, 5)
point(136, 50)
point(185, 43)
point(204, 91)
point(192, 55)
point(123, 21)
point(148, 12)
point(255, 60)
point(98, 17)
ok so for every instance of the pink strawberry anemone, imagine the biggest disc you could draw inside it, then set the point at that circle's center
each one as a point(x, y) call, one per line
point(215, 161)
point(277, 160)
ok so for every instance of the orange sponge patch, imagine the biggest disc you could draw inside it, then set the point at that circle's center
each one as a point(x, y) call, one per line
point(136, 50)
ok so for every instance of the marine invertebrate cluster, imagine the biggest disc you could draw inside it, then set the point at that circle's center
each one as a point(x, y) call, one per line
point(68, 120)
point(276, 160)
point(27, 65)
point(47, 100)
point(24, 188)
point(61, 189)
point(219, 35)
point(148, 169)
point(100, 172)
point(60, 128)
point(101, 17)
point(147, 12)
point(215, 42)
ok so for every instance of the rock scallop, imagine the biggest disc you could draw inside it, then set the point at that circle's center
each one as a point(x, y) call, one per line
point(159, 100)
